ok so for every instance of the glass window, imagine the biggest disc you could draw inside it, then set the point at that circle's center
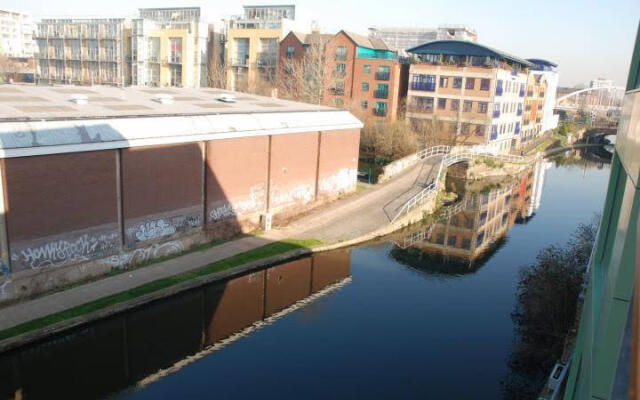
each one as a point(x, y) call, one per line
point(442, 104)
point(455, 104)
point(482, 107)
point(457, 82)
point(340, 67)
point(364, 104)
point(452, 240)
point(470, 83)
point(444, 81)
point(341, 53)
point(339, 102)
point(175, 50)
point(290, 50)
point(484, 84)
point(467, 105)
point(365, 86)
point(367, 68)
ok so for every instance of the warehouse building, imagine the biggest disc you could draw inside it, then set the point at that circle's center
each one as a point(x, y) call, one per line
point(96, 178)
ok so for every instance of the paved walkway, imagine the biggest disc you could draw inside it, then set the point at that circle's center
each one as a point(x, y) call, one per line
point(342, 220)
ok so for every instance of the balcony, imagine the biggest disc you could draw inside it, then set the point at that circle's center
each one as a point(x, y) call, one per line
point(429, 87)
point(496, 113)
point(381, 94)
point(380, 112)
point(240, 62)
point(382, 76)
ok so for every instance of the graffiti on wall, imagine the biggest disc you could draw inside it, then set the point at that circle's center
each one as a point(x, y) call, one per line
point(66, 251)
point(4, 268)
point(298, 194)
point(138, 256)
point(154, 229)
point(255, 202)
point(342, 181)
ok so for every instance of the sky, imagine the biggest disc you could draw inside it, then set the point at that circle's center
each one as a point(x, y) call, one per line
point(587, 39)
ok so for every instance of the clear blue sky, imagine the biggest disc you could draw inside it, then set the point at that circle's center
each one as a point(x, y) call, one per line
point(588, 39)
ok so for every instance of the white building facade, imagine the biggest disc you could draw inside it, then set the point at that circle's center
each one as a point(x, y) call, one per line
point(16, 34)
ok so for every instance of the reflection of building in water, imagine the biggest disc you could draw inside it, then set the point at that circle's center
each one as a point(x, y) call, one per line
point(146, 343)
point(470, 229)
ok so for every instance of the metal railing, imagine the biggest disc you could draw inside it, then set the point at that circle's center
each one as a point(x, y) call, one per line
point(449, 158)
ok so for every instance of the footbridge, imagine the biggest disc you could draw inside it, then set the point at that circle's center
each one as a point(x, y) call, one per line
point(426, 186)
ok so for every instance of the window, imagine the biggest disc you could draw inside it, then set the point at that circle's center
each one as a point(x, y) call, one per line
point(470, 83)
point(479, 131)
point(482, 107)
point(340, 67)
point(423, 82)
point(175, 50)
point(484, 84)
point(465, 128)
point(364, 104)
point(452, 240)
point(365, 86)
point(341, 53)
point(499, 87)
point(457, 82)
point(383, 73)
point(467, 105)
point(466, 243)
point(176, 75)
point(339, 102)
point(455, 104)
point(442, 104)
point(366, 68)
point(444, 81)
point(290, 51)
point(382, 91)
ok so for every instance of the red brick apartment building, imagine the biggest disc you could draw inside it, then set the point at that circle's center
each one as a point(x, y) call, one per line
point(97, 178)
point(365, 76)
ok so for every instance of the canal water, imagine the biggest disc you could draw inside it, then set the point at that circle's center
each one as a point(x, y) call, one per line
point(425, 313)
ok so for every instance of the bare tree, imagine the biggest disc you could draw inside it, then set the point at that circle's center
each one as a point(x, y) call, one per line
point(217, 73)
point(305, 78)
point(8, 68)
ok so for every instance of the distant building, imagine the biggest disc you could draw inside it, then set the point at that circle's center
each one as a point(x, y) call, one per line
point(401, 39)
point(548, 71)
point(467, 93)
point(364, 74)
point(533, 109)
point(169, 48)
point(82, 51)
point(16, 34)
point(600, 82)
point(252, 47)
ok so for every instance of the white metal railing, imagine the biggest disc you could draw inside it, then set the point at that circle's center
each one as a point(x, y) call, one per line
point(452, 156)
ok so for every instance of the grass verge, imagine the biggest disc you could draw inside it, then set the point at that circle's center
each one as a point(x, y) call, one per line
point(259, 253)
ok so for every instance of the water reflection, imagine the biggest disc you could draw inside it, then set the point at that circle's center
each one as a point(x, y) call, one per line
point(110, 355)
point(466, 233)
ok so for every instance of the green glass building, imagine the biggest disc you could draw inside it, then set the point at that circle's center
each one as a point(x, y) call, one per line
point(605, 360)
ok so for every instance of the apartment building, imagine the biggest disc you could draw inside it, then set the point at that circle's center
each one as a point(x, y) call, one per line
point(82, 51)
point(466, 93)
point(301, 66)
point(365, 76)
point(16, 34)
point(548, 71)
point(402, 38)
point(252, 47)
point(169, 48)
point(533, 109)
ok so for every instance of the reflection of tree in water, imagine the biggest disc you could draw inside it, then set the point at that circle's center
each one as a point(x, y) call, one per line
point(546, 312)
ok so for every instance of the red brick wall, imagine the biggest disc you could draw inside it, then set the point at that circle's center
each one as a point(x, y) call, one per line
point(286, 284)
point(236, 177)
point(338, 161)
point(330, 97)
point(293, 169)
point(49, 197)
point(161, 191)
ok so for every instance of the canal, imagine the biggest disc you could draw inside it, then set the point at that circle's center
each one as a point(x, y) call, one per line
point(425, 313)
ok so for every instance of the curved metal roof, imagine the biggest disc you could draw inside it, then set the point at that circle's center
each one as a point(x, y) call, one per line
point(540, 61)
point(464, 48)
